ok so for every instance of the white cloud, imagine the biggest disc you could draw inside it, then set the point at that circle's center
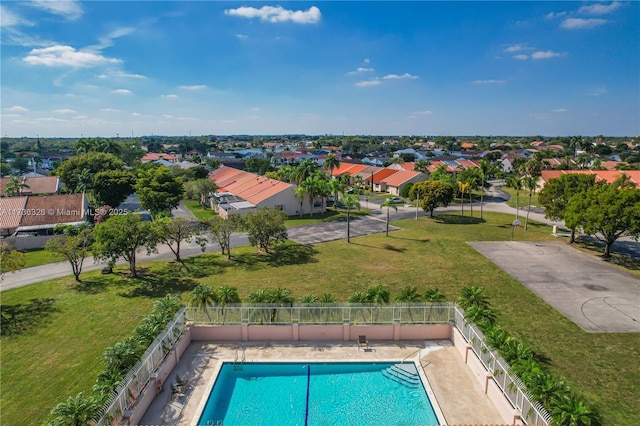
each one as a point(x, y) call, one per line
point(555, 15)
point(66, 56)
point(599, 8)
point(423, 112)
point(121, 74)
point(367, 83)
point(107, 40)
point(65, 111)
point(169, 96)
point(275, 14)
point(516, 48)
point(109, 110)
point(16, 108)
point(561, 110)
point(10, 19)
point(194, 87)
point(366, 60)
point(521, 57)
point(598, 90)
point(548, 54)
point(361, 70)
point(399, 77)
point(489, 82)
point(580, 23)
point(242, 36)
point(121, 92)
point(69, 9)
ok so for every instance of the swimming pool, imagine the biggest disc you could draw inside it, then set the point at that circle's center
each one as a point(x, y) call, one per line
point(344, 393)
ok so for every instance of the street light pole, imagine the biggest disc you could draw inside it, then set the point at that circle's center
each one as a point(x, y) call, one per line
point(417, 204)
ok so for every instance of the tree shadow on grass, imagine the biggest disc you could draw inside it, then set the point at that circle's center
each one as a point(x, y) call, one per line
point(394, 248)
point(92, 285)
point(617, 258)
point(291, 254)
point(159, 283)
point(453, 219)
point(18, 319)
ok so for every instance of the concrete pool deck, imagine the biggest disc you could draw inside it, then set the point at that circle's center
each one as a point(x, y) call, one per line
point(456, 390)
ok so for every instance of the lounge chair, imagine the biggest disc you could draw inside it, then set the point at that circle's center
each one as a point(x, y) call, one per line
point(363, 342)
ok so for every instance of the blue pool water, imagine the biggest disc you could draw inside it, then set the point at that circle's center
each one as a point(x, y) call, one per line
point(316, 394)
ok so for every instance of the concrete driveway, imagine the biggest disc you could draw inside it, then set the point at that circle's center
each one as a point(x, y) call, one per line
point(337, 230)
point(598, 297)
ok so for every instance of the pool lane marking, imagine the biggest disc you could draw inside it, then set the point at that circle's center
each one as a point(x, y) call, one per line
point(306, 412)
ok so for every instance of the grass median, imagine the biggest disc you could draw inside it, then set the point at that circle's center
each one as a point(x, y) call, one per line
point(57, 354)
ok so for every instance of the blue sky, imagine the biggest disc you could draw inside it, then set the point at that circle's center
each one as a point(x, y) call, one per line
point(72, 69)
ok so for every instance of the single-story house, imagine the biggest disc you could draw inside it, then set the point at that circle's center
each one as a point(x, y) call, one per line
point(395, 182)
point(608, 176)
point(35, 185)
point(242, 192)
point(153, 156)
point(378, 179)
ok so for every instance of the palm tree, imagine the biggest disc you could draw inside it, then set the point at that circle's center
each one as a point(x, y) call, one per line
point(409, 295)
point(530, 183)
point(388, 203)
point(85, 145)
point(515, 182)
point(336, 187)
point(350, 201)
point(379, 296)
point(434, 295)
point(15, 185)
point(110, 146)
point(279, 296)
point(485, 169)
point(85, 181)
point(76, 411)
point(360, 298)
point(331, 163)
point(303, 170)
point(572, 410)
point(308, 299)
point(300, 192)
point(259, 297)
point(473, 296)
point(310, 185)
point(327, 299)
point(202, 297)
point(462, 186)
point(225, 296)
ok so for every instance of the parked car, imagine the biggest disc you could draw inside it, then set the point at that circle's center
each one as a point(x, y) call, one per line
point(396, 200)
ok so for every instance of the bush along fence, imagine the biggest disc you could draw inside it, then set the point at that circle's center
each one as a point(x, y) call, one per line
point(128, 368)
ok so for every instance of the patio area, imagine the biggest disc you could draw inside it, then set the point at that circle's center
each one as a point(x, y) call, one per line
point(457, 391)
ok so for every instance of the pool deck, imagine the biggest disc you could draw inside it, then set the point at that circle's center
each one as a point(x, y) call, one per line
point(456, 390)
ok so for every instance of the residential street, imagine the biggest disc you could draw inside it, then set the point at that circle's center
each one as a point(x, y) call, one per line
point(310, 234)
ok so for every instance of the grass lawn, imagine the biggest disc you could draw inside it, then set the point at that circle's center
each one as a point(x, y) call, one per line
point(198, 211)
point(59, 356)
point(39, 257)
point(524, 198)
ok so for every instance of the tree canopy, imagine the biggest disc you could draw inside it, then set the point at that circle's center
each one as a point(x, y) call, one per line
point(607, 212)
point(265, 228)
point(433, 193)
point(93, 162)
point(113, 187)
point(158, 190)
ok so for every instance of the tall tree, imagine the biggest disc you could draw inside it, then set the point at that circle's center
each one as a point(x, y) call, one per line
point(607, 212)
point(389, 204)
point(172, 231)
point(265, 228)
point(113, 187)
point(530, 183)
point(556, 193)
point(515, 182)
point(158, 190)
point(432, 194)
point(94, 162)
point(485, 169)
point(226, 295)
point(350, 201)
point(331, 163)
point(462, 187)
point(221, 229)
point(10, 260)
point(123, 236)
point(336, 187)
point(75, 245)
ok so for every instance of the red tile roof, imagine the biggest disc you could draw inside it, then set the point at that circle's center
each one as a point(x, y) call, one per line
point(152, 156)
point(608, 176)
point(381, 174)
point(37, 185)
point(401, 177)
point(53, 209)
point(11, 211)
point(248, 186)
point(348, 168)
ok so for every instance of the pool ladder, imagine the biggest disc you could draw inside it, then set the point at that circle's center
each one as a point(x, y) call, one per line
point(239, 359)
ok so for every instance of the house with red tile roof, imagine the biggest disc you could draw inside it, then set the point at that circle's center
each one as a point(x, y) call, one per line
point(35, 185)
point(608, 176)
point(11, 209)
point(394, 183)
point(241, 192)
point(153, 156)
point(378, 178)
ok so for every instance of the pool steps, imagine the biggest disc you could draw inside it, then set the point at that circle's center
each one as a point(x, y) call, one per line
point(405, 374)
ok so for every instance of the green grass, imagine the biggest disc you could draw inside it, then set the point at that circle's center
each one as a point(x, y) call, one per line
point(60, 356)
point(39, 257)
point(198, 211)
point(330, 215)
point(524, 198)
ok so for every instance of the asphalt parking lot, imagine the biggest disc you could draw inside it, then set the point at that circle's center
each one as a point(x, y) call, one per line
point(337, 230)
point(598, 297)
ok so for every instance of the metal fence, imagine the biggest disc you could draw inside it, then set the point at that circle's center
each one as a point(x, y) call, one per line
point(511, 386)
point(138, 377)
point(316, 314)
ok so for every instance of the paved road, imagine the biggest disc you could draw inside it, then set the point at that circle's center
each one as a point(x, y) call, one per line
point(309, 234)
